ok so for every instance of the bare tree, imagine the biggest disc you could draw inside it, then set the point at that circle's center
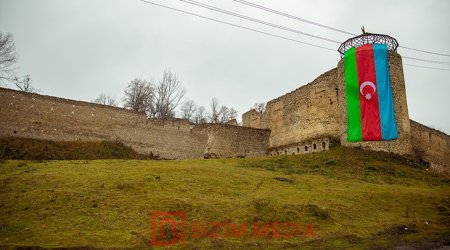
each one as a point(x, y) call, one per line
point(101, 99)
point(259, 107)
point(224, 114)
point(168, 94)
point(106, 99)
point(7, 57)
point(233, 114)
point(215, 109)
point(139, 96)
point(188, 110)
point(201, 115)
point(221, 114)
point(24, 84)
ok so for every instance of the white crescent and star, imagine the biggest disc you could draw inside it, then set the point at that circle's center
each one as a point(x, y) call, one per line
point(368, 96)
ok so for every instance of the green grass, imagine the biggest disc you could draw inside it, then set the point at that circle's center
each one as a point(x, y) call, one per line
point(353, 199)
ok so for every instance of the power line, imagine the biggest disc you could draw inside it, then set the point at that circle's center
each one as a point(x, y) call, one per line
point(292, 16)
point(283, 27)
point(322, 25)
point(419, 66)
point(425, 60)
point(265, 33)
point(238, 26)
point(423, 51)
point(256, 20)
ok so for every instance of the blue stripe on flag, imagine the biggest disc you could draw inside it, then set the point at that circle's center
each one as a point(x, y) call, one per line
point(388, 125)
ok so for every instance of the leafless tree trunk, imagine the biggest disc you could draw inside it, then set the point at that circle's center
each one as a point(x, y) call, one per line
point(226, 114)
point(168, 94)
point(7, 57)
point(233, 114)
point(25, 84)
point(200, 115)
point(138, 96)
point(188, 110)
point(221, 114)
point(106, 99)
point(215, 109)
point(259, 107)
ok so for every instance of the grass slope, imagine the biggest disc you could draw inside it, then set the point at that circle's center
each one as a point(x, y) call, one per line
point(352, 198)
point(34, 149)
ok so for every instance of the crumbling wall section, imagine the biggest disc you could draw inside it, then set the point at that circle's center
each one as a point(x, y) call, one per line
point(252, 119)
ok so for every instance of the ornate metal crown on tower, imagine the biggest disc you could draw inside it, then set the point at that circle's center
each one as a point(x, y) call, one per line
point(368, 38)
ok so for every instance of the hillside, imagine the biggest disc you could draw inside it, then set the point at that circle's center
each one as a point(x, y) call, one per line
point(16, 148)
point(339, 199)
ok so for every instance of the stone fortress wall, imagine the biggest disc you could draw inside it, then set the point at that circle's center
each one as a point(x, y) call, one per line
point(301, 121)
point(308, 119)
point(44, 117)
point(431, 145)
point(314, 116)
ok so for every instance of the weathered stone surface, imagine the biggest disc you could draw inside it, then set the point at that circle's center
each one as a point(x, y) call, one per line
point(431, 145)
point(52, 118)
point(316, 113)
point(231, 141)
point(309, 112)
point(304, 147)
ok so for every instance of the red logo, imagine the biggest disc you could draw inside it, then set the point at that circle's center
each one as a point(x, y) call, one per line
point(168, 228)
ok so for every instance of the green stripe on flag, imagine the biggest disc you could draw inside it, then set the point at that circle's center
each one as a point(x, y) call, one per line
point(354, 128)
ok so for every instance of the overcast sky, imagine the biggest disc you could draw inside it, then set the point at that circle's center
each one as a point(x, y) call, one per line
point(78, 49)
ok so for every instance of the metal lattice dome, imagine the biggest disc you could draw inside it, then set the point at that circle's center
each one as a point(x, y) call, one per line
point(368, 38)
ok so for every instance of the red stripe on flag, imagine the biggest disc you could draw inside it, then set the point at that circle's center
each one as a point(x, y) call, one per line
point(370, 110)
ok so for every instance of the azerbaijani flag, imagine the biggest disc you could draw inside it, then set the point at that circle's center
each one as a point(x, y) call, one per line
point(369, 96)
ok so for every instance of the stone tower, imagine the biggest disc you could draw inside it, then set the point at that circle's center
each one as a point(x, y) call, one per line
point(402, 145)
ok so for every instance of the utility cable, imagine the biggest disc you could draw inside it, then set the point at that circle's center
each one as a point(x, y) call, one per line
point(277, 36)
point(206, 6)
point(322, 25)
point(419, 66)
point(237, 26)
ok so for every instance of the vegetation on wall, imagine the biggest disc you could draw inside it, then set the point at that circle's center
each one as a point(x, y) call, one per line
point(34, 149)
